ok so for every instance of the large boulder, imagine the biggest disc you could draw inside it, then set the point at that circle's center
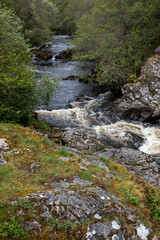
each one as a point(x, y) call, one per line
point(138, 114)
point(41, 54)
point(145, 93)
point(65, 55)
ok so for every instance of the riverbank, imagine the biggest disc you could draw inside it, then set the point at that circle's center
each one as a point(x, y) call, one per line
point(56, 192)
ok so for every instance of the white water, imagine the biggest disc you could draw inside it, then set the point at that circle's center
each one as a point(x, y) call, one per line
point(119, 131)
point(93, 114)
point(151, 135)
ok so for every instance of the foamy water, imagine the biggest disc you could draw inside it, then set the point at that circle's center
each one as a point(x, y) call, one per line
point(79, 117)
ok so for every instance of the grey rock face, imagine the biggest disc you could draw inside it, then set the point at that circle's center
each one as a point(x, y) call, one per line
point(88, 140)
point(144, 93)
point(135, 161)
point(32, 225)
point(87, 204)
point(3, 145)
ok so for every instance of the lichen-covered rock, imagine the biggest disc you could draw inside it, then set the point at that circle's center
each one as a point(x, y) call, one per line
point(135, 161)
point(3, 145)
point(145, 92)
point(90, 212)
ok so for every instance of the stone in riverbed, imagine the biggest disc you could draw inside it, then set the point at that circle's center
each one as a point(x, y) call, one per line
point(138, 114)
point(65, 55)
point(42, 54)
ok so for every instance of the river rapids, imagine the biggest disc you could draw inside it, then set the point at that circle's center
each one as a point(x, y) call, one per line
point(76, 106)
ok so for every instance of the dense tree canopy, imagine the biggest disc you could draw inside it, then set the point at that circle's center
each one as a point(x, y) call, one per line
point(38, 18)
point(20, 92)
point(119, 35)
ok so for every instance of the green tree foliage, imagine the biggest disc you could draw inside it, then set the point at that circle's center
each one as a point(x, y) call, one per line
point(19, 89)
point(38, 17)
point(118, 35)
point(69, 12)
point(64, 23)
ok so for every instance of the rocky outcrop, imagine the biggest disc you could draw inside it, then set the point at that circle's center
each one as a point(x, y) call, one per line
point(145, 92)
point(146, 166)
point(138, 114)
point(87, 140)
point(42, 54)
point(65, 55)
point(88, 213)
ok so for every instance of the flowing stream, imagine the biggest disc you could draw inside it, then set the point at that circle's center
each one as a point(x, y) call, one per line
point(69, 89)
point(93, 112)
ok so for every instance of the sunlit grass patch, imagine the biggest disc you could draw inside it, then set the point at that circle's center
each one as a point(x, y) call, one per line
point(64, 153)
point(130, 197)
point(51, 158)
point(48, 142)
point(30, 142)
point(105, 160)
point(86, 175)
point(7, 173)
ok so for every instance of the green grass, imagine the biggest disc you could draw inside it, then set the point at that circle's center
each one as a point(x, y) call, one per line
point(86, 175)
point(133, 199)
point(30, 142)
point(153, 203)
point(48, 158)
point(7, 173)
point(105, 160)
point(68, 169)
point(62, 225)
point(48, 142)
point(97, 169)
point(64, 153)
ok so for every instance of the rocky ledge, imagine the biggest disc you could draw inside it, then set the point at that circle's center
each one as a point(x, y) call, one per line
point(143, 93)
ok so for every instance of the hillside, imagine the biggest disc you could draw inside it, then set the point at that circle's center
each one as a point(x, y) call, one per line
point(49, 191)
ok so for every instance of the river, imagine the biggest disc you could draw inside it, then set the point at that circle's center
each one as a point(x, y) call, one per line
point(92, 114)
point(69, 89)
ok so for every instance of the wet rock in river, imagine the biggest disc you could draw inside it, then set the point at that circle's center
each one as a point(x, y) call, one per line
point(138, 114)
point(65, 55)
point(42, 54)
point(93, 140)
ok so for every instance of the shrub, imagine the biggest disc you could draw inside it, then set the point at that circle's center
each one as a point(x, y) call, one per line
point(11, 229)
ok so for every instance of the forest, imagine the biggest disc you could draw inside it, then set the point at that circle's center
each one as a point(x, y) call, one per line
point(118, 36)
